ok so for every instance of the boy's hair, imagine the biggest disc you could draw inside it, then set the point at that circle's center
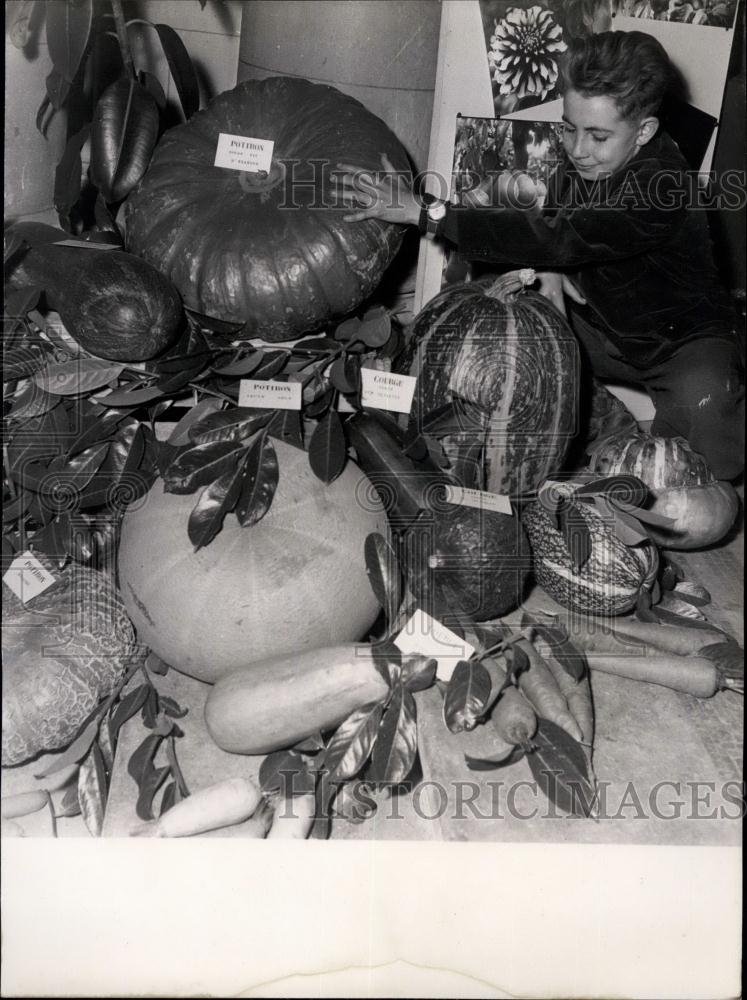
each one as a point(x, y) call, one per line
point(631, 67)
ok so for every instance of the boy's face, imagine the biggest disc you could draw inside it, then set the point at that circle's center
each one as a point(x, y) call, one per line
point(597, 139)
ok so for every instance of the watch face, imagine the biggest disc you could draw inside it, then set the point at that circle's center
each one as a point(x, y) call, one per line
point(437, 211)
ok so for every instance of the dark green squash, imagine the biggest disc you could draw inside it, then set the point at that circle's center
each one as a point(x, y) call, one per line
point(272, 253)
point(112, 303)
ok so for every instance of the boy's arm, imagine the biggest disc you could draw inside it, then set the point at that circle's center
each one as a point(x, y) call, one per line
point(642, 214)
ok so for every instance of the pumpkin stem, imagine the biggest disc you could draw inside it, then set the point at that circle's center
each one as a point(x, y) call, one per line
point(259, 182)
point(510, 283)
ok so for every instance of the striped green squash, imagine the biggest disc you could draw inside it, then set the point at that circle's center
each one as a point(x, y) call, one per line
point(509, 353)
point(682, 486)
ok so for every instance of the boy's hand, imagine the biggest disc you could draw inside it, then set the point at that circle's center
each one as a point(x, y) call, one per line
point(386, 195)
point(553, 286)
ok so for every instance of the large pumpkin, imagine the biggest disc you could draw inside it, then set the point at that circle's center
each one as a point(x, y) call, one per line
point(295, 580)
point(682, 487)
point(510, 354)
point(273, 252)
point(62, 653)
point(609, 582)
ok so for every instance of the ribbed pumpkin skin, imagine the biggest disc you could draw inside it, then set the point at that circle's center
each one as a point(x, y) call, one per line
point(681, 484)
point(295, 580)
point(54, 675)
point(281, 260)
point(113, 304)
point(608, 583)
point(517, 359)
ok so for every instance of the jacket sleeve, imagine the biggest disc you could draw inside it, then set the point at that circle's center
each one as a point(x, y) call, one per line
point(640, 212)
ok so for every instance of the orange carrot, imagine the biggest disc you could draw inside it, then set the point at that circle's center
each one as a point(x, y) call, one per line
point(514, 718)
point(576, 693)
point(601, 635)
point(693, 675)
point(542, 690)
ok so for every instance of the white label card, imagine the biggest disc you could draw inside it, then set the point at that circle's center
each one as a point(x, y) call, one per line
point(387, 391)
point(86, 245)
point(27, 578)
point(240, 152)
point(270, 395)
point(478, 498)
point(427, 636)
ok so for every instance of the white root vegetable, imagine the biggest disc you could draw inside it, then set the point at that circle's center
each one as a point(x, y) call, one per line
point(293, 818)
point(224, 804)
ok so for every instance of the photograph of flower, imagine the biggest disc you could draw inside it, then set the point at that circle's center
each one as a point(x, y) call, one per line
point(715, 13)
point(523, 41)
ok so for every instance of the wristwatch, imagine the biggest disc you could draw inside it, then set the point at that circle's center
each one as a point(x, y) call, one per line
point(431, 215)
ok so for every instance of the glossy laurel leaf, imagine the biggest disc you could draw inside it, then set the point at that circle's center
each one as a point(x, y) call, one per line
point(350, 746)
point(286, 425)
point(559, 766)
point(200, 465)
point(71, 378)
point(68, 29)
point(92, 790)
point(182, 71)
point(384, 574)
point(123, 137)
point(259, 480)
point(234, 424)
point(375, 327)
point(467, 696)
point(397, 743)
point(328, 448)
point(216, 500)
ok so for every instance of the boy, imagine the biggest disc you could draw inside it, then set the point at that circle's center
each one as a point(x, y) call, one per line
point(644, 300)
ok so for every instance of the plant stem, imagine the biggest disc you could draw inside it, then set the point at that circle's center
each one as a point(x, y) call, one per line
point(124, 45)
point(212, 392)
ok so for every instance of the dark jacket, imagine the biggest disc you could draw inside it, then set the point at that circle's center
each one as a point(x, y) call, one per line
point(636, 246)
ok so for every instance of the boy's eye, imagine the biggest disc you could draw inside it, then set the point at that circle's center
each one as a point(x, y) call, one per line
point(600, 138)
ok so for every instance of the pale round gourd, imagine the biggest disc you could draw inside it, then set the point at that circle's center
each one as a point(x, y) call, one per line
point(295, 580)
point(62, 653)
point(682, 487)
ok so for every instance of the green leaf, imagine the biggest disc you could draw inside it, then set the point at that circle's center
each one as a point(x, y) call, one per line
point(31, 401)
point(43, 114)
point(131, 397)
point(560, 768)
point(286, 425)
point(200, 465)
point(350, 746)
point(491, 763)
point(98, 429)
point(71, 378)
point(58, 89)
point(728, 657)
point(384, 574)
point(243, 365)
point(92, 791)
point(375, 327)
point(152, 780)
point(129, 706)
point(328, 448)
point(182, 70)
point(153, 85)
point(348, 329)
point(68, 29)
point(142, 758)
point(168, 799)
point(216, 500)
point(155, 665)
point(172, 708)
point(260, 476)
point(123, 136)
point(77, 749)
point(75, 473)
point(576, 534)
point(271, 364)
point(418, 672)
point(467, 696)
point(234, 424)
point(397, 743)
point(68, 177)
point(286, 771)
point(345, 373)
point(180, 434)
point(693, 593)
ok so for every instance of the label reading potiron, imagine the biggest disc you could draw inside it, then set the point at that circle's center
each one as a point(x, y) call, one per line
point(27, 578)
point(387, 391)
point(478, 498)
point(240, 152)
point(427, 636)
point(270, 395)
